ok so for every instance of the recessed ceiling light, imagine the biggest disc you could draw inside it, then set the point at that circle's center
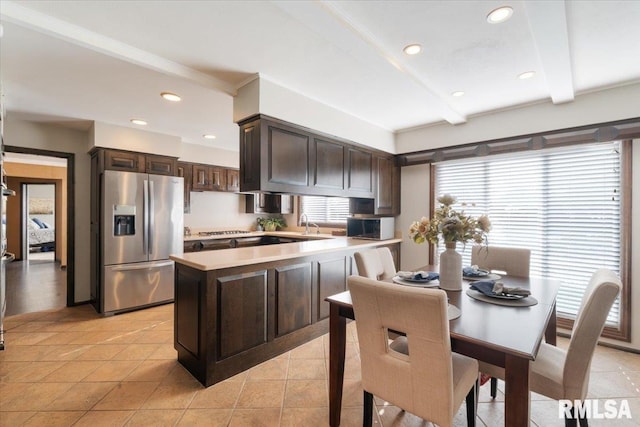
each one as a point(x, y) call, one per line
point(209, 136)
point(139, 122)
point(499, 15)
point(412, 49)
point(526, 75)
point(170, 96)
point(458, 93)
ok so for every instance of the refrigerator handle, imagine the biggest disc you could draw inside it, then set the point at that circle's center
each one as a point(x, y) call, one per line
point(152, 216)
point(145, 217)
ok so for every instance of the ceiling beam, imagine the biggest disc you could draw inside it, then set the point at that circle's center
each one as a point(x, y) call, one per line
point(331, 22)
point(548, 24)
point(25, 17)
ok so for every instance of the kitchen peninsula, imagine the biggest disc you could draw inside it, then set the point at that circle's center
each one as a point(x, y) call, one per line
point(236, 308)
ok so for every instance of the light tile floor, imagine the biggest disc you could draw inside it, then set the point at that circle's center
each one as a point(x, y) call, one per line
point(72, 367)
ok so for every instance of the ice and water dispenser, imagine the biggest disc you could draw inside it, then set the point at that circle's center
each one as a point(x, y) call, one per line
point(124, 220)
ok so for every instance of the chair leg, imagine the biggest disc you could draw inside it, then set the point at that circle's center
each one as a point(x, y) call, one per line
point(494, 387)
point(471, 406)
point(367, 414)
point(570, 421)
point(583, 421)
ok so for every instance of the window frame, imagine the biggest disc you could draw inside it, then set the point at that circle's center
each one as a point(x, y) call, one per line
point(623, 331)
point(320, 224)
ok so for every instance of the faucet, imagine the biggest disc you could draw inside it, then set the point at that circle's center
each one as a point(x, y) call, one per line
point(306, 223)
point(317, 227)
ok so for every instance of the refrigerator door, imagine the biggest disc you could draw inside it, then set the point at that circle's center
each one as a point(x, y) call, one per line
point(137, 285)
point(122, 217)
point(166, 213)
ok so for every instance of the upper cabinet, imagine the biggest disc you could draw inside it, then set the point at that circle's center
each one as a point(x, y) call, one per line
point(280, 157)
point(184, 170)
point(386, 185)
point(129, 161)
point(233, 180)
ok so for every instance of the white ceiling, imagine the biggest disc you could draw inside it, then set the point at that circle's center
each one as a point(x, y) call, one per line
point(74, 62)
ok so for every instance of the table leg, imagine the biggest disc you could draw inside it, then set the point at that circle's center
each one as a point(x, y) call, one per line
point(337, 344)
point(517, 399)
point(550, 334)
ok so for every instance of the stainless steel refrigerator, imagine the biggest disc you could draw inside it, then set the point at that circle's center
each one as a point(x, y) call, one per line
point(142, 220)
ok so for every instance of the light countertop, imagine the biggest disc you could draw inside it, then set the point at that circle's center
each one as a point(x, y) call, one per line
point(226, 258)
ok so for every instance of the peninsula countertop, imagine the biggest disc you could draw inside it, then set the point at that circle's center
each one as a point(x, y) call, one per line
point(226, 258)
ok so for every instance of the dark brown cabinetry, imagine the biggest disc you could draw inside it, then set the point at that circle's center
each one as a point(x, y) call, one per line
point(213, 178)
point(280, 157)
point(269, 203)
point(233, 180)
point(231, 319)
point(201, 178)
point(136, 162)
point(386, 185)
point(184, 170)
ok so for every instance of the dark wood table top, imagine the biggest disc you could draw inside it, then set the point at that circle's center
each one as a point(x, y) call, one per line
point(511, 330)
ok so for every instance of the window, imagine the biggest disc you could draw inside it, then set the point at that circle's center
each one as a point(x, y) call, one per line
point(564, 204)
point(325, 211)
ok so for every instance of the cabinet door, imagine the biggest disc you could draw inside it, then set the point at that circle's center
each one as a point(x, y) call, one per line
point(293, 296)
point(288, 159)
point(332, 279)
point(233, 180)
point(242, 312)
point(201, 178)
point(250, 165)
point(218, 178)
point(329, 165)
point(124, 161)
point(387, 188)
point(184, 170)
point(160, 165)
point(359, 176)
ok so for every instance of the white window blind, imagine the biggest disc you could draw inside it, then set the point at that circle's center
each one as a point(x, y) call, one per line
point(325, 210)
point(563, 204)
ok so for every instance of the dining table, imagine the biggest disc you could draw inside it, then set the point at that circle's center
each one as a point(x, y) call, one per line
point(506, 336)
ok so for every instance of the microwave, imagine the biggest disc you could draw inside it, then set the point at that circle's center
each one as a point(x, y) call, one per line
point(381, 228)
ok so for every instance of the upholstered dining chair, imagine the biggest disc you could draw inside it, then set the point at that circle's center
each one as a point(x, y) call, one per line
point(375, 263)
point(419, 373)
point(564, 374)
point(513, 261)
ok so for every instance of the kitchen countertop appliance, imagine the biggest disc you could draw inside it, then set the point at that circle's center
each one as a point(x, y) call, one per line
point(142, 220)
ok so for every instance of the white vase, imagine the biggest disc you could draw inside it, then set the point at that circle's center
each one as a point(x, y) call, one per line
point(451, 268)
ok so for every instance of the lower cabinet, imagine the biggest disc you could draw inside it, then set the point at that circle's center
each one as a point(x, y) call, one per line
point(229, 320)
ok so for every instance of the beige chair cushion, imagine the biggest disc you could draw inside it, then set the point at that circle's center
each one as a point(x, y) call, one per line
point(424, 377)
point(375, 264)
point(513, 261)
point(561, 374)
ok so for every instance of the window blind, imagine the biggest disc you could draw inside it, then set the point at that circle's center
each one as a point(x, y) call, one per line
point(563, 204)
point(325, 211)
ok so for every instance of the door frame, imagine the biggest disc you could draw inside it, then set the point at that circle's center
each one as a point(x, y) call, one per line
point(70, 157)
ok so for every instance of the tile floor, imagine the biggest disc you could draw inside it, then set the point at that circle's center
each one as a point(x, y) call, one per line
point(72, 367)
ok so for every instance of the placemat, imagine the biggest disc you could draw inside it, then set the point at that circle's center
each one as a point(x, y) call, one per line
point(524, 302)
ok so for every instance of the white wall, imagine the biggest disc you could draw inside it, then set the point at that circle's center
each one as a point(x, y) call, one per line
point(414, 204)
point(21, 133)
point(197, 153)
point(122, 138)
point(216, 210)
point(282, 103)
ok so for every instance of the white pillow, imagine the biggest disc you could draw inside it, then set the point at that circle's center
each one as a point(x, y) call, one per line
point(31, 224)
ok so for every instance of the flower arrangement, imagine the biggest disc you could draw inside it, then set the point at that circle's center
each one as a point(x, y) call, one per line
point(453, 226)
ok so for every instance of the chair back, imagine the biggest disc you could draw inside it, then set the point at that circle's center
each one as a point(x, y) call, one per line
point(375, 264)
point(513, 261)
point(598, 298)
point(420, 382)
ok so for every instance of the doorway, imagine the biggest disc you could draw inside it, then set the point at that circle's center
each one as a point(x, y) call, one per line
point(40, 228)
